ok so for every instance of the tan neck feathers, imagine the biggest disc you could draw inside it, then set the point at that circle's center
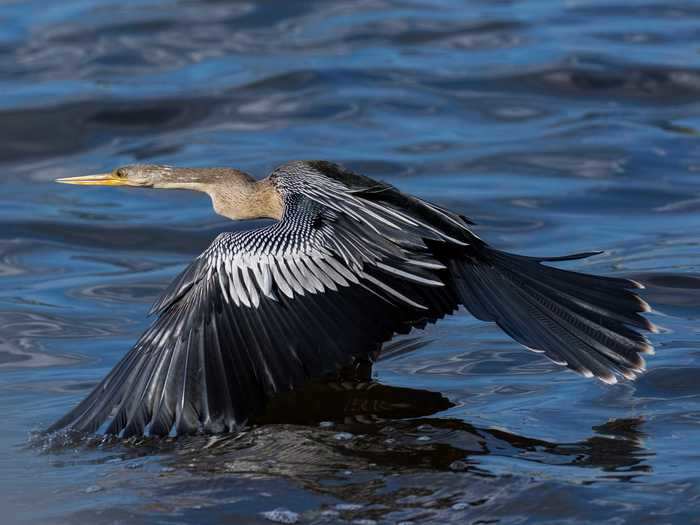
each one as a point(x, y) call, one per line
point(247, 200)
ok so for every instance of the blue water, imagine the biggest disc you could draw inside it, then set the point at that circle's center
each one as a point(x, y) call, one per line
point(557, 126)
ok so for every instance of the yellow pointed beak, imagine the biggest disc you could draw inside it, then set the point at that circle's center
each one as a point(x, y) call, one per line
point(108, 179)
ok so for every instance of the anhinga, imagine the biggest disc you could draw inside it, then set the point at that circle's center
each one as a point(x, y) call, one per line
point(349, 262)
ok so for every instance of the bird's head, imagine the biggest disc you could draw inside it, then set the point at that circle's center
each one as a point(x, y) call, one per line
point(234, 194)
point(156, 176)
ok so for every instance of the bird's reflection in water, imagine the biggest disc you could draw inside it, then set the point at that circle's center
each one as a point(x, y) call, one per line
point(352, 402)
point(347, 441)
point(330, 426)
point(354, 425)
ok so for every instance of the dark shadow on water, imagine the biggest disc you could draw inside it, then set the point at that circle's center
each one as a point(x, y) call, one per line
point(384, 451)
point(325, 429)
point(351, 402)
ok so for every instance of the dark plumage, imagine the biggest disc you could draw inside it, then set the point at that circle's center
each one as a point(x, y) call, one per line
point(350, 262)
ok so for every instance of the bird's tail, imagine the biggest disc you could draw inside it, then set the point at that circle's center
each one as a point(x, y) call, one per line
point(585, 322)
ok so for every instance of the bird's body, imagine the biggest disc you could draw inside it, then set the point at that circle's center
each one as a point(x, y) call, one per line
point(349, 263)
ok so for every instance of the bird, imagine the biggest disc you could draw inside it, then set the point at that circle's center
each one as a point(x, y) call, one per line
point(347, 263)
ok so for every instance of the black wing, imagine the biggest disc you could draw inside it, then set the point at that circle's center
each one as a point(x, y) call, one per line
point(262, 311)
point(585, 322)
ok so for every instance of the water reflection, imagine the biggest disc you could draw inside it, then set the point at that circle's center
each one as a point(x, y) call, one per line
point(330, 426)
point(390, 427)
point(557, 126)
point(348, 441)
point(347, 402)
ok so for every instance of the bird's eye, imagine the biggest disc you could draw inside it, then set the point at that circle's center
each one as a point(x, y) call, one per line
point(120, 173)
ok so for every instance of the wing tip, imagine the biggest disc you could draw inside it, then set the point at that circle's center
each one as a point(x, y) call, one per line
point(636, 284)
point(608, 379)
point(644, 307)
point(647, 348)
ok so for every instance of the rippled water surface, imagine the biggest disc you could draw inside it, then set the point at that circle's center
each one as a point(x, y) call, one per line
point(556, 126)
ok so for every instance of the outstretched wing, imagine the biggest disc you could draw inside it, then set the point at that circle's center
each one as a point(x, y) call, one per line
point(352, 262)
point(262, 311)
point(585, 322)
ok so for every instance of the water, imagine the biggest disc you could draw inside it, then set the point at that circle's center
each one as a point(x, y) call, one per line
point(557, 126)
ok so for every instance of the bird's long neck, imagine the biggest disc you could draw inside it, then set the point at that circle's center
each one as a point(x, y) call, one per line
point(234, 194)
point(249, 200)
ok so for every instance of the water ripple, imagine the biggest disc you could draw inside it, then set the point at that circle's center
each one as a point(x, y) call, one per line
point(557, 126)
